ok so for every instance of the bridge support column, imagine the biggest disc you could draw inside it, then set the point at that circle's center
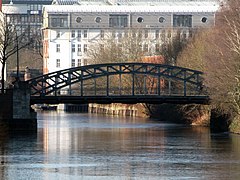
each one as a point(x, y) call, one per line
point(18, 115)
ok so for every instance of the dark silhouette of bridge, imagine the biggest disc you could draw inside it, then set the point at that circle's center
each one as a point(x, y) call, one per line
point(120, 83)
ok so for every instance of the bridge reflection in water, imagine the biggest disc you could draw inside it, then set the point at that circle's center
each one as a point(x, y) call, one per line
point(120, 83)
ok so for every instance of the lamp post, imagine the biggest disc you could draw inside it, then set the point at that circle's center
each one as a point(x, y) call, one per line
point(17, 59)
point(17, 53)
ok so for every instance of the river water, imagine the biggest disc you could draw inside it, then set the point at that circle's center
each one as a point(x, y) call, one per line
point(90, 146)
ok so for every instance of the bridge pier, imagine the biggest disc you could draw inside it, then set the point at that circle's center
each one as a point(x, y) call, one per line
point(16, 111)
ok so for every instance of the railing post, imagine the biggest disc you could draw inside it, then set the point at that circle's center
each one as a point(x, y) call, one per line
point(70, 85)
point(95, 91)
point(120, 80)
point(198, 88)
point(42, 91)
point(169, 87)
point(55, 84)
point(185, 88)
point(133, 82)
point(107, 89)
point(169, 83)
point(81, 82)
point(159, 82)
point(144, 81)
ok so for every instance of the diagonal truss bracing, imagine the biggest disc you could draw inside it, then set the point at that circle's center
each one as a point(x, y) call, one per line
point(119, 78)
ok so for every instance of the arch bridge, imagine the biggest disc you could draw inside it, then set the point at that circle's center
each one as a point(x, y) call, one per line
point(119, 83)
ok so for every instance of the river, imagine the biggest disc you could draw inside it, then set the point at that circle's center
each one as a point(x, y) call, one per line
point(89, 146)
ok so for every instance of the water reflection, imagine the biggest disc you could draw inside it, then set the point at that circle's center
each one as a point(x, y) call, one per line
point(87, 146)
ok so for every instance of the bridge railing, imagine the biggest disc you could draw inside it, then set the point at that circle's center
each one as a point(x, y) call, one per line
point(125, 92)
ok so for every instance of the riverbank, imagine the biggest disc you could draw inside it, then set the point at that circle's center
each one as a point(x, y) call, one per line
point(192, 114)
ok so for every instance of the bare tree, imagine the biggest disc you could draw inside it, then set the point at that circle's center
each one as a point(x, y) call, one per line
point(172, 47)
point(217, 53)
point(131, 46)
point(11, 42)
point(126, 47)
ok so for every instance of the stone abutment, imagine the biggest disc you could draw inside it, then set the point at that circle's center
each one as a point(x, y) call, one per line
point(15, 109)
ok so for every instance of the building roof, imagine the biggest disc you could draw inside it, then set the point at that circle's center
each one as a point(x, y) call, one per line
point(129, 2)
point(160, 7)
point(14, 9)
point(26, 1)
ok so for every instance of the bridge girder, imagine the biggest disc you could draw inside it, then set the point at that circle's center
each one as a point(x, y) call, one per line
point(143, 79)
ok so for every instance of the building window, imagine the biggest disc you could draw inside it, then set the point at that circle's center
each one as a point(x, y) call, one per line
point(146, 34)
point(102, 47)
point(190, 33)
point(79, 20)
point(140, 34)
point(73, 48)
point(85, 48)
point(79, 62)
point(182, 20)
point(140, 46)
point(119, 35)
point(102, 34)
point(79, 48)
point(113, 34)
point(79, 33)
point(73, 63)
point(54, 21)
point(184, 35)
point(134, 34)
point(157, 34)
point(140, 20)
point(157, 48)
point(73, 33)
point(163, 35)
point(57, 47)
point(84, 62)
point(126, 34)
point(24, 19)
point(58, 34)
point(118, 21)
point(85, 33)
point(98, 19)
point(204, 20)
point(169, 34)
point(161, 19)
point(59, 21)
point(57, 63)
point(145, 48)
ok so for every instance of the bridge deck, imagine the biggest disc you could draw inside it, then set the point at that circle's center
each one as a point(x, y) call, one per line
point(120, 99)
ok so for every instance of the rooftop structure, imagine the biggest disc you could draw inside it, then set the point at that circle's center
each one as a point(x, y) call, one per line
point(26, 1)
point(181, 8)
point(132, 2)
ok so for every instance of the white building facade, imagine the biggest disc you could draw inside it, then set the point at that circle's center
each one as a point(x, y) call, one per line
point(69, 30)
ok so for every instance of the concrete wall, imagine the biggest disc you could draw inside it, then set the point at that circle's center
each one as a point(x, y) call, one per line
point(118, 109)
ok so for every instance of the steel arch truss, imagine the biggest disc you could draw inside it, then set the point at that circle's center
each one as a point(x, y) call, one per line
point(119, 79)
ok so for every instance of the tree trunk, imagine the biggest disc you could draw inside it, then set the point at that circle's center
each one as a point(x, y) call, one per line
point(3, 76)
